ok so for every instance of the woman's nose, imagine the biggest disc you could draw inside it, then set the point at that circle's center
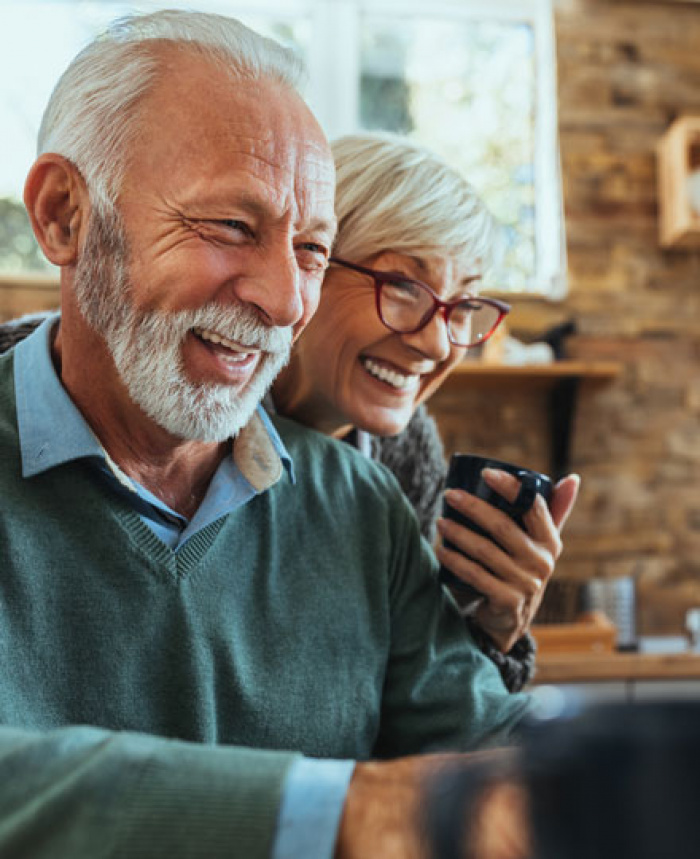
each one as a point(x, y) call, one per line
point(431, 341)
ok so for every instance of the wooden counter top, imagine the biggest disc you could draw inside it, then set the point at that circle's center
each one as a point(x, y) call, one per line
point(596, 668)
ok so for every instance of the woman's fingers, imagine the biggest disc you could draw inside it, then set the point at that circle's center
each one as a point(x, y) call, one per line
point(563, 499)
point(480, 574)
point(500, 527)
point(515, 564)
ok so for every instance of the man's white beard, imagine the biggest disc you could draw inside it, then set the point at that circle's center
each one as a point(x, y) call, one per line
point(147, 352)
point(147, 347)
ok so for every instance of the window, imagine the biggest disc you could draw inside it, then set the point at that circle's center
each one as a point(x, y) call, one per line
point(473, 80)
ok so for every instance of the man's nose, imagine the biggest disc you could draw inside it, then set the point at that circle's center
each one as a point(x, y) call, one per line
point(273, 286)
point(431, 341)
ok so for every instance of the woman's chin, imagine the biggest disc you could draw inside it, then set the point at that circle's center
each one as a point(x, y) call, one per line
point(383, 422)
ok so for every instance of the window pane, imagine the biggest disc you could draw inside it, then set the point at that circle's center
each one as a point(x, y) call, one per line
point(465, 88)
point(40, 39)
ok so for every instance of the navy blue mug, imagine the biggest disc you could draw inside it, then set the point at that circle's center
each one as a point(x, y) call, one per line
point(465, 473)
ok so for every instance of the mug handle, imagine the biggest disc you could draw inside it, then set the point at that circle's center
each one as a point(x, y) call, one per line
point(529, 485)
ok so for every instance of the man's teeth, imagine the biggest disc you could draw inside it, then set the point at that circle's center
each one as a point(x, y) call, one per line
point(391, 377)
point(213, 337)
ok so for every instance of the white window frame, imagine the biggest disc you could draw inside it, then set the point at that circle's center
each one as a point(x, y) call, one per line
point(333, 90)
point(334, 86)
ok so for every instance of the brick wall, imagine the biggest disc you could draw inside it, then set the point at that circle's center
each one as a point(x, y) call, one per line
point(626, 70)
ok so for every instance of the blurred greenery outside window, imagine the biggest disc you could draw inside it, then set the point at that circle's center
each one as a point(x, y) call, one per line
point(473, 80)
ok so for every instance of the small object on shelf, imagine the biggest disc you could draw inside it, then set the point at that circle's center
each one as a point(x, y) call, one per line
point(517, 354)
point(616, 598)
point(557, 336)
point(503, 350)
point(694, 190)
point(679, 184)
point(593, 632)
point(492, 350)
point(692, 627)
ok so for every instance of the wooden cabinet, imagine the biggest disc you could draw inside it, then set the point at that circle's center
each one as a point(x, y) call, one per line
point(679, 184)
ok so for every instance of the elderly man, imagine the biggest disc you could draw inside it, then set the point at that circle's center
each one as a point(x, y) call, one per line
point(197, 604)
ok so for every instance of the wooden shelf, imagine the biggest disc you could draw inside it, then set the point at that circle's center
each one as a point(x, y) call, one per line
point(594, 668)
point(545, 376)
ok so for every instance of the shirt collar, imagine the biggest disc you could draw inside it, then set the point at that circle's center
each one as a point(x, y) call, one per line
point(52, 431)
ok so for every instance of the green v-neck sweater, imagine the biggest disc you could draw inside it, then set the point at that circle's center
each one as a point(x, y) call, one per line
point(152, 701)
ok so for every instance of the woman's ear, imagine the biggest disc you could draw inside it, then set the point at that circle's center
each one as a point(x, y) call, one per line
point(58, 205)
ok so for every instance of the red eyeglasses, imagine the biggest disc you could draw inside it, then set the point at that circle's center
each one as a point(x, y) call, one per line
point(405, 306)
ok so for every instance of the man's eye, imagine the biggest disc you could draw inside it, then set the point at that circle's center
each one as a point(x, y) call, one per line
point(233, 224)
point(314, 248)
point(312, 256)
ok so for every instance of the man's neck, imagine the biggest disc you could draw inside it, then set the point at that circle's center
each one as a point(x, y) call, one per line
point(295, 398)
point(176, 471)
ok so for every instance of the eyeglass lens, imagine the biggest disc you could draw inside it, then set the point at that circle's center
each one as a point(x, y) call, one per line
point(406, 305)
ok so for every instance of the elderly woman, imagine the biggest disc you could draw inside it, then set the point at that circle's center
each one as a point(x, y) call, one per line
point(398, 311)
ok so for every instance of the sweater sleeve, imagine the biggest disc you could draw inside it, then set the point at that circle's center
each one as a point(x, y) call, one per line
point(86, 793)
point(440, 692)
point(416, 457)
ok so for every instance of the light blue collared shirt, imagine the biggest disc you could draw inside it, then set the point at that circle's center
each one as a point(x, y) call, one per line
point(52, 431)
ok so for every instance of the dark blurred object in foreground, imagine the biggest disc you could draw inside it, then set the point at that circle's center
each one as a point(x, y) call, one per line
point(617, 781)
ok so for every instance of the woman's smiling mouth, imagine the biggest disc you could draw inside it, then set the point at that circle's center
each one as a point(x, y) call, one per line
point(390, 375)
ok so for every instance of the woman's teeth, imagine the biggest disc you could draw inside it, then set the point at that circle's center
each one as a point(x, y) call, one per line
point(391, 377)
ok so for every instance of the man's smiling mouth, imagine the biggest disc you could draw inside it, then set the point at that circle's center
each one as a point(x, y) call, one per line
point(237, 350)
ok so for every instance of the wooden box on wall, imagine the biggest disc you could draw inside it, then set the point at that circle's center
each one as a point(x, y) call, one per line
point(678, 167)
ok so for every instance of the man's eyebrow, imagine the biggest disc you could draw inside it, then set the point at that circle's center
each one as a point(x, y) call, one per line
point(253, 205)
point(323, 226)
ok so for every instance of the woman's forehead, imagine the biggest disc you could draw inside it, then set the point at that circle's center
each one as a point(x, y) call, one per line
point(458, 272)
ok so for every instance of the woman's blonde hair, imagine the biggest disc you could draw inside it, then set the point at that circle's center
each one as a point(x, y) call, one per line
point(393, 194)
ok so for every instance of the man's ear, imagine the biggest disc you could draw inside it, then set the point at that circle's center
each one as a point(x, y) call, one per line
point(58, 205)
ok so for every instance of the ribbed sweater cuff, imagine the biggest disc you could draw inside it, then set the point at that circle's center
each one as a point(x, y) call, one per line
point(191, 802)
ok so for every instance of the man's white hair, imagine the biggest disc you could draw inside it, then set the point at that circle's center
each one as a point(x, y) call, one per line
point(393, 194)
point(93, 113)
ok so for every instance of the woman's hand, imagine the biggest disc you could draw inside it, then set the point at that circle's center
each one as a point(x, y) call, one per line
point(521, 562)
